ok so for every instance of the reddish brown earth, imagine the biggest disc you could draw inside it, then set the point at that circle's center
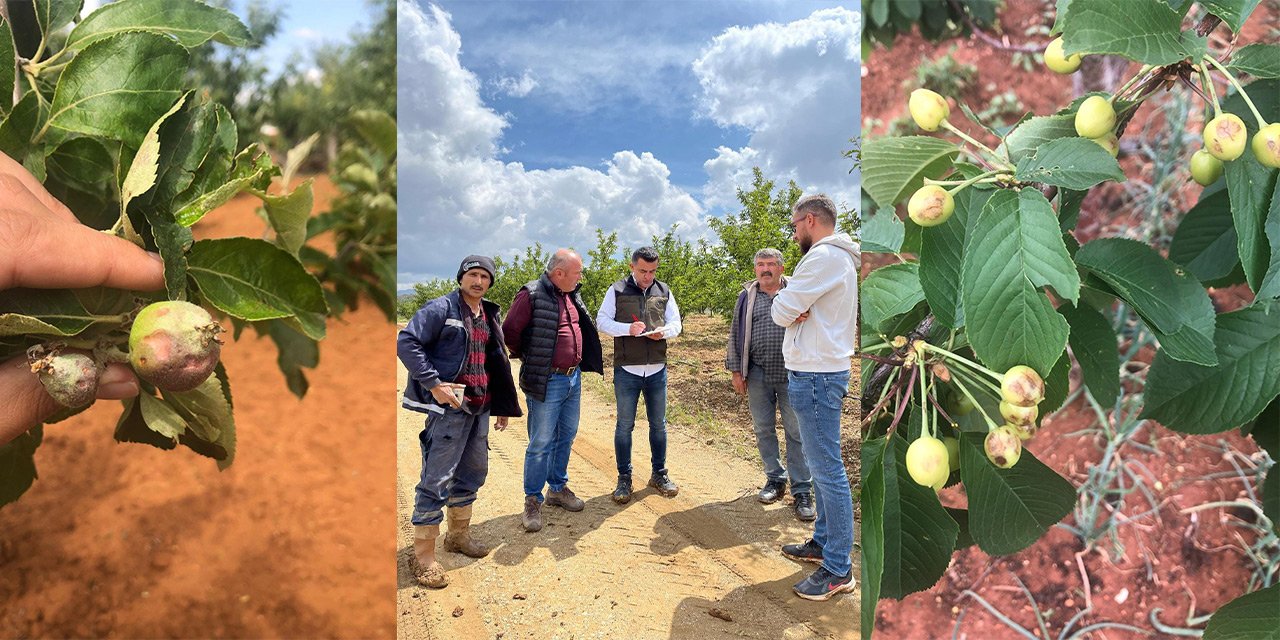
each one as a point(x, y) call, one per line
point(1176, 562)
point(296, 539)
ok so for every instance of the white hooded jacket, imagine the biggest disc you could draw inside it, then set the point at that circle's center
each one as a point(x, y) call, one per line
point(825, 284)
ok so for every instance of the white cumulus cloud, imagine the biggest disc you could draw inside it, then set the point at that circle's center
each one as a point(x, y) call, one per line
point(795, 87)
point(516, 87)
point(457, 197)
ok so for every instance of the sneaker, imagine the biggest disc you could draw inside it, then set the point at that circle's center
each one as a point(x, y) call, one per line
point(532, 517)
point(662, 482)
point(622, 494)
point(805, 509)
point(822, 585)
point(565, 499)
point(772, 491)
point(809, 551)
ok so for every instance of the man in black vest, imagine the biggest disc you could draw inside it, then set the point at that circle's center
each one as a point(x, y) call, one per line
point(641, 315)
point(551, 333)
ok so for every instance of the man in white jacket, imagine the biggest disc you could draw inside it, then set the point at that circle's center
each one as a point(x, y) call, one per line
point(819, 308)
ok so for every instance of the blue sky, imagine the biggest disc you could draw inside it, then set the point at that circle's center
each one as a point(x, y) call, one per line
point(527, 122)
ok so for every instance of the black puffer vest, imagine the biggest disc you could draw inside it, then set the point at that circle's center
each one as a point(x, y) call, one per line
point(539, 338)
point(651, 308)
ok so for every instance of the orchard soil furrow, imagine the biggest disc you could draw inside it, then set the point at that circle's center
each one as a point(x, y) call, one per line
point(653, 568)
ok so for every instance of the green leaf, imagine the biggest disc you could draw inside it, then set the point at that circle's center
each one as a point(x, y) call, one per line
point(1193, 398)
point(132, 426)
point(83, 163)
point(1009, 509)
point(250, 172)
point(1094, 344)
point(295, 351)
point(1144, 30)
point(892, 168)
point(1258, 60)
point(1253, 616)
point(21, 125)
point(376, 128)
point(145, 166)
point(1070, 163)
point(60, 312)
point(161, 418)
point(919, 535)
point(56, 14)
point(873, 528)
point(1205, 242)
point(18, 464)
point(1057, 385)
point(882, 232)
point(1265, 431)
point(1251, 186)
point(1030, 135)
point(941, 257)
point(191, 23)
point(208, 416)
point(117, 87)
point(288, 215)
point(1013, 249)
point(1232, 12)
point(889, 292)
point(1270, 286)
point(256, 280)
point(1174, 306)
point(197, 152)
point(8, 67)
point(1271, 497)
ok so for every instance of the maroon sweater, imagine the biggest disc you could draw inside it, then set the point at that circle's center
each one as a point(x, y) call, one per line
point(568, 351)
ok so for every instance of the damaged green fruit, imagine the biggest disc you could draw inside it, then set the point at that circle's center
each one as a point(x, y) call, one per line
point(174, 345)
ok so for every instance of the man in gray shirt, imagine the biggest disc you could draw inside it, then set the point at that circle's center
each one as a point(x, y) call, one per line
point(755, 358)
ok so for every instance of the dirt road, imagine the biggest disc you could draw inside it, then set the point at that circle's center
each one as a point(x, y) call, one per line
point(654, 568)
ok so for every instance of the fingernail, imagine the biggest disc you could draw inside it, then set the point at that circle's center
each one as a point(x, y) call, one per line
point(156, 256)
point(117, 390)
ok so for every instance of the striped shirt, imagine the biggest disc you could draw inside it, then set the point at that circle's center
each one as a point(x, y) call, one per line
point(473, 373)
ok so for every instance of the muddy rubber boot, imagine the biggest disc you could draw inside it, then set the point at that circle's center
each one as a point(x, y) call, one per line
point(458, 538)
point(426, 570)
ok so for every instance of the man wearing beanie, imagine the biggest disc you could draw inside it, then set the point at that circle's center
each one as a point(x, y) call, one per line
point(459, 375)
point(551, 333)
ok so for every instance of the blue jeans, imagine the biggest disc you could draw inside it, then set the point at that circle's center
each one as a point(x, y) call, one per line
point(767, 400)
point(627, 388)
point(816, 398)
point(455, 462)
point(553, 424)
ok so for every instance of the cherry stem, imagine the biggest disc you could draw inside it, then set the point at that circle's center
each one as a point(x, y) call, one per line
point(991, 425)
point(1243, 94)
point(1125, 87)
point(960, 358)
point(1213, 93)
point(998, 160)
point(924, 395)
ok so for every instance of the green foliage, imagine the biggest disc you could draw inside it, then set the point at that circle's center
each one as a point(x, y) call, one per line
point(945, 75)
point(936, 19)
point(1006, 281)
point(107, 120)
point(361, 221)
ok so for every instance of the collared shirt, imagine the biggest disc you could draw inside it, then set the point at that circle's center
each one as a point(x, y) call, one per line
point(610, 327)
point(766, 340)
point(473, 373)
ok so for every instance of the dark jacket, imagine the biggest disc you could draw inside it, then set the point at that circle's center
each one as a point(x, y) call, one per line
point(535, 343)
point(649, 306)
point(433, 345)
point(740, 328)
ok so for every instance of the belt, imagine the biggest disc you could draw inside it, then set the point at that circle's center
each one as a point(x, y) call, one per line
point(565, 372)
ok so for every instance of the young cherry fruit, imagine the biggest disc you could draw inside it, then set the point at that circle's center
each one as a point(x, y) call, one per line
point(1095, 118)
point(928, 109)
point(174, 345)
point(1057, 62)
point(1021, 386)
point(1205, 169)
point(930, 206)
point(953, 452)
point(1266, 145)
point(1110, 142)
point(927, 461)
point(1003, 446)
point(1225, 136)
point(1015, 415)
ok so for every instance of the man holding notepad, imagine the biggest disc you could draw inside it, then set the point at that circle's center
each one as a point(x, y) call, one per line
point(640, 314)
